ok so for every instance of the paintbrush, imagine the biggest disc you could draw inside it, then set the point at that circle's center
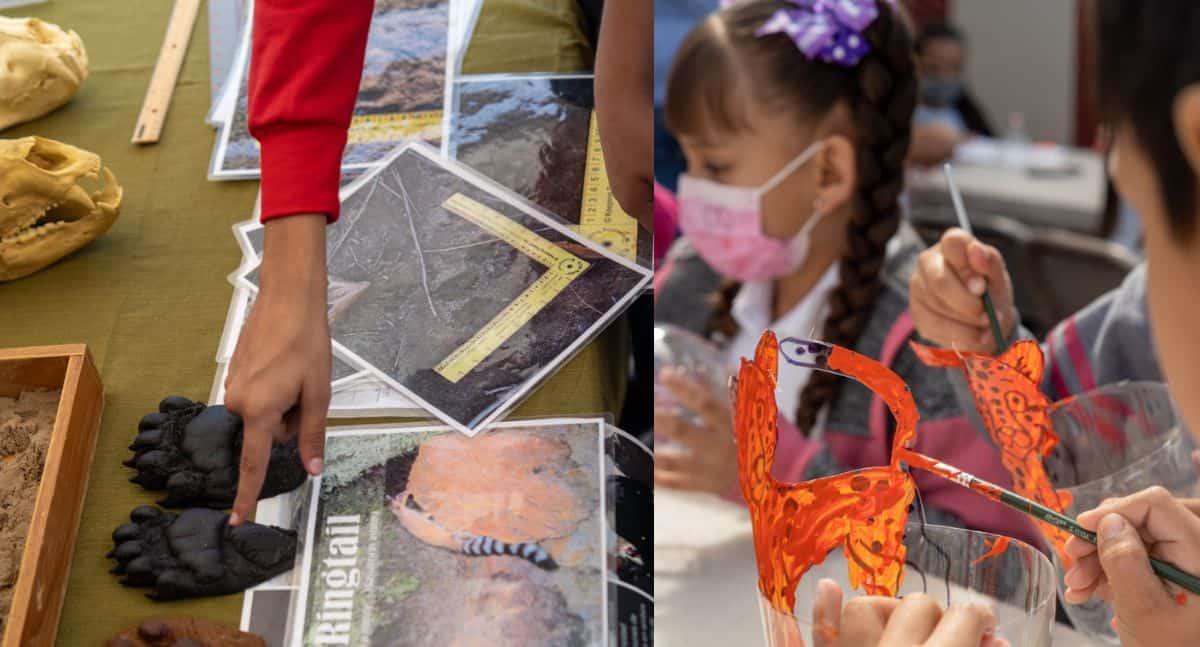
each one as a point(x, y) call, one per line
point(960, 210)
point(1036, 510)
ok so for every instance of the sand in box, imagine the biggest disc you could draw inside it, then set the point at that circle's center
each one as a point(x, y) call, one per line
point(25, 426)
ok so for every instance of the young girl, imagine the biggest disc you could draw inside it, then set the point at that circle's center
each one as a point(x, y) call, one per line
point(795, 122)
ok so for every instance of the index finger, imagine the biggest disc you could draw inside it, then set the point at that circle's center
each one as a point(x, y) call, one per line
point(864, 619)
point(954, 244)
point(962, 626)
point(256, 452)
point(1165, 522)
point(1192, 505)
point(827, 610)
point(987, 261)
point(912, 622)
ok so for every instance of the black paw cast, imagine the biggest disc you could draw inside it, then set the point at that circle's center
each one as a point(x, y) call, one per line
point(192, 452)
point(196, 553)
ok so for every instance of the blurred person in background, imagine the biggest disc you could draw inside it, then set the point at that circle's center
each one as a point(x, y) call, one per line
point(945, 99)
point(947, 113)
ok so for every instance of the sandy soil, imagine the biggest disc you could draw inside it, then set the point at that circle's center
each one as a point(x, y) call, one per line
point(25, 427)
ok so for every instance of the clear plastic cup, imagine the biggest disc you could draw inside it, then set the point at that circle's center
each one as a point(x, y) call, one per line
point(953, 566)
point(699, 358)
point(1115, 441)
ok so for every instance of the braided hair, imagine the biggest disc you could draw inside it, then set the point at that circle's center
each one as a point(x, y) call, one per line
point(724, 53)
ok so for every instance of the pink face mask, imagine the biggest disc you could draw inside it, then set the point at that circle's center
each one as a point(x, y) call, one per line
point(725, 225)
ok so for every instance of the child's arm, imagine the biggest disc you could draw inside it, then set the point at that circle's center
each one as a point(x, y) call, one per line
point(304, 76)
point(625, 103)
point(305, 69)
point(1106, 342)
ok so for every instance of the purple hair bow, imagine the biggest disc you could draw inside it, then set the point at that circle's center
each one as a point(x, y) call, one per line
point(829, 30)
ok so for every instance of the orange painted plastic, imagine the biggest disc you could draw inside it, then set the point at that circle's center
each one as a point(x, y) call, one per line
point(797, 525)
point(1015, 411)
point(998, 547)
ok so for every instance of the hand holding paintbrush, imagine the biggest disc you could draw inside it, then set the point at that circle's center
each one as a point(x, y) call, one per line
point(960, 210)
point(1142, 502)
point(946, 293)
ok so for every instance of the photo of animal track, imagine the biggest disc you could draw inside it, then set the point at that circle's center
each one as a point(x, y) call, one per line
point(404, 72)
point(529, 133)
point(470, 299)
point(507, 553)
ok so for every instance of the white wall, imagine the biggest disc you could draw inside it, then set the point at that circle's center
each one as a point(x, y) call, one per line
point(1022, 59)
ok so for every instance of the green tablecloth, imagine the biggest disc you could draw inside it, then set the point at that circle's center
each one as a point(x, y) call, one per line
point(150, 298)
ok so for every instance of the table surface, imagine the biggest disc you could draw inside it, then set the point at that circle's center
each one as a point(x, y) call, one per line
point(705, 578)
point(1074, 201)
point(149, 298)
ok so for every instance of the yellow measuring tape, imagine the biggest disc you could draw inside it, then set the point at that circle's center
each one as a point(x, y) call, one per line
point(365, 129)
point(562, 267)
point(601, 218)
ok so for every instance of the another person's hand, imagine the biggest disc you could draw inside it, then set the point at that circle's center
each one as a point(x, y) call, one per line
point(915, 619)
point(625, 104)
point(933, 144)
point(698, 457)
point(946, 290)
point(279, 375)
point(1129, 531)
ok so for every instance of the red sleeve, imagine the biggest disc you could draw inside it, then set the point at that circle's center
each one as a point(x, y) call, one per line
point(306, 64)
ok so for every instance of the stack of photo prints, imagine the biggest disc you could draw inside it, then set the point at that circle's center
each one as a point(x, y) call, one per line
point(449, 295)
point(460, 279)
point(544, 541)
point(401, 96)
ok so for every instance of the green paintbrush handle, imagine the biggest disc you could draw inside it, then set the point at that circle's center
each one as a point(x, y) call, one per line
point(1163, 569)
point(994, 321)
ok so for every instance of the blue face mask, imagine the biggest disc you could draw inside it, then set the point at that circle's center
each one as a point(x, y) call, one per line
point(941, 93)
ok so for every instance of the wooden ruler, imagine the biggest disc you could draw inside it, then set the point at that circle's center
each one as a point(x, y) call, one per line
point(166, 72)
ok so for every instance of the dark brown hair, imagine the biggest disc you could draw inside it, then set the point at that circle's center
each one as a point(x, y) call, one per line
point(722, 64)
point(1149, 53)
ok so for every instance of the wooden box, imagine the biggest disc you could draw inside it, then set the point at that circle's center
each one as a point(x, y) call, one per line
point(50, 545)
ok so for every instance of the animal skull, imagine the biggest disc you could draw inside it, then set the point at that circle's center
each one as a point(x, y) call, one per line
point(41, 67)
point(45, 212)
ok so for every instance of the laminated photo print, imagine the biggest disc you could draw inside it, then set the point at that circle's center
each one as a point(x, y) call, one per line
point(401, 97)
point(226, 19)
point(365, 395)
point(355, 391)
point(536, 135)
point(460, 294)
point(404, 547)
point(629, 524)
point(359, 395)
point(235, 320)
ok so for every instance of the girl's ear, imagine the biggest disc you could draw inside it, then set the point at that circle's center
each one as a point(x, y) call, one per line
point(838, 168)
point(1187, 125)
